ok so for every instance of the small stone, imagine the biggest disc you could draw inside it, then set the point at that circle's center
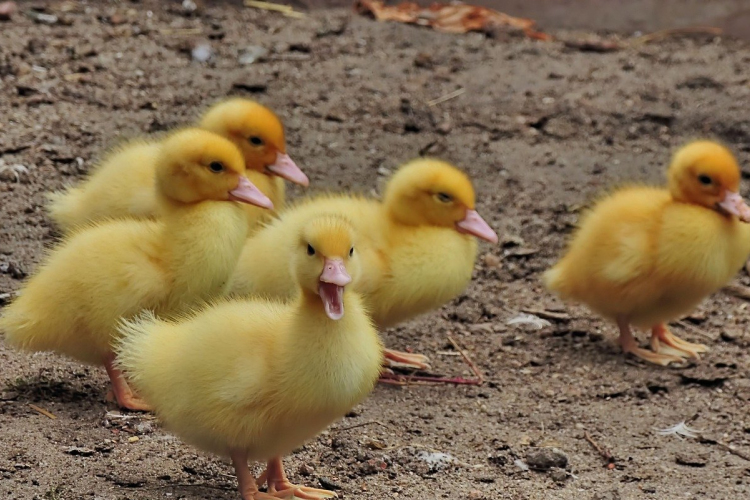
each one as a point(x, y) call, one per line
point(691, 459)
point(476, 495)
point(491, 261)
point(329, 484)
point(117, 19)
point(306, 470)
point(385, 172)
point(423, 60)
point(133, 439)
point(79, 452)
point(202, 52)
point(546, 458)
point(559, 475)
point(730, 335)
point(252, 54)
point(607, 495)
point(254, 87)
point(7, 9)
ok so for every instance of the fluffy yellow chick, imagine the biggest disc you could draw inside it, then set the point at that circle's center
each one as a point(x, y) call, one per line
point(644, 256)
point(418, 245)
point(123, 184)
point(115, 269)
point(253, 379)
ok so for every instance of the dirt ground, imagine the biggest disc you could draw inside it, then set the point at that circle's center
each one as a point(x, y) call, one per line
point(540, 127)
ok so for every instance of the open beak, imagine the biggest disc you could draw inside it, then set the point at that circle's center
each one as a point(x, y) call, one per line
point(474, 225)
point(333, 279)
point(246, 192)
point(285, 168)
point(734, 204)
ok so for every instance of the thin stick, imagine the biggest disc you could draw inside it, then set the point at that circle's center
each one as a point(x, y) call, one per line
point(446, 97)
point(42, 411)
point(604, 453)
point(468, 360)
point(710, 30)
point(695, 329)
point(181, 31)
point(739, 291)
point(376, 422)
point(543, 313)
point(287, 10)
point(734, 451)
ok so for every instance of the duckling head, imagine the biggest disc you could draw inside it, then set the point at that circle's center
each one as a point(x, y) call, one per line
point(706, 173)
point(433, 192)
point(195, 165)
point(326, 261)
point(258, 133)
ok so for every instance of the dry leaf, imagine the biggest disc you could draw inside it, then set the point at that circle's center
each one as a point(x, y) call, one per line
point(449, 18)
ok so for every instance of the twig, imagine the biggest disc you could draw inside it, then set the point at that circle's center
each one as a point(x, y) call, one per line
point(181, 31)
point(734, 451)
point(427, 380)
point(695, 329)
point(376, 422)
point(543, 313)
point(604, 453)
point(468, 360)
point(446, 97)
point(739, 291)
point(42, 411)
point(286, 10)
point(710, 30)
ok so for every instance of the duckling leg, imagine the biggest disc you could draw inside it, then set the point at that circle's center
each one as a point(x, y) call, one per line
point(280, 487)
point(247, 485)
point(406, 359)
point(122, 391)
point(630, 345)
point(661, 334)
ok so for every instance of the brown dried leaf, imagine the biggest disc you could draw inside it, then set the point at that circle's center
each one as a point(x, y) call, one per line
point(448, 18)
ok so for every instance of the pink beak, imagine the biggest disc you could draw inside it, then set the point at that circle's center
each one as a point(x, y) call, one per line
point(474, 225)
point(333, 279)
point(246, 192)
point(735, 205)
point(285, 168)
point(334, 272)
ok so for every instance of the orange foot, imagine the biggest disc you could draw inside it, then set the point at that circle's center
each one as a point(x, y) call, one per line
point(630, 345)
point(247, 484)
point(406, 360)
point(280, 487)
point(122, 392)
point(660, 334)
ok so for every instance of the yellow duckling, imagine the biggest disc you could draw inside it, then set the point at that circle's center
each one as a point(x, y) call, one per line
point(418, 245)
point(645, 256)
point(253, 379)
point(115, 269)
point(123, 184)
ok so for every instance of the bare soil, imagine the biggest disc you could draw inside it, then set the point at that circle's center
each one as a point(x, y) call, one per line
point(541, 127)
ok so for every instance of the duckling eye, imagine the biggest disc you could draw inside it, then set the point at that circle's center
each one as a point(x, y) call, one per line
point(255, 141)
point(351, 251)
point(310, 250)
point(216, 167)
point(444, 197)
point(705, 180)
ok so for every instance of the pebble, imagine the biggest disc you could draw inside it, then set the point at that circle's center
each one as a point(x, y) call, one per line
point(691, 459)
point(546, 458)
point(133, 439)
point(202, 52)
point(7, 9)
